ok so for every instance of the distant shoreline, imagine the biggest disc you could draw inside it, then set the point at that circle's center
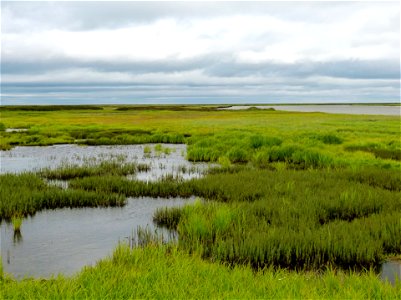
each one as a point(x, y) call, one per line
point(204, 104)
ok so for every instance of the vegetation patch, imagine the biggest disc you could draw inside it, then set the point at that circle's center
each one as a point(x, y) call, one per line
point(25, 194)
point(115, 167)
point(315, 193)
point(49, 107)
point(145, 272)
point(375, 149)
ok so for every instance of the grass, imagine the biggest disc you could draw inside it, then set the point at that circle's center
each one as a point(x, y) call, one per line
point(111, 167)
point(325, 140)
point(167, 272)
point(17, 222)
point(49, 107)
point(25, 194)
point(281, 218)
point(304, 205)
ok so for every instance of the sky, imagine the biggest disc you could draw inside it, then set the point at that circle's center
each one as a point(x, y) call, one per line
point(199, 52)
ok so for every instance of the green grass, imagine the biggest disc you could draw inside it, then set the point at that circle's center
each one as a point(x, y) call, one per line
point(26, 194)
point(299, 201)
point(167, 272)
point(111, 167)
point(49, 107)
point(321, 140)
point(17, 222)
point(281, 218)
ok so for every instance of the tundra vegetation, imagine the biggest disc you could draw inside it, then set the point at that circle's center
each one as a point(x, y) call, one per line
point(301, 205)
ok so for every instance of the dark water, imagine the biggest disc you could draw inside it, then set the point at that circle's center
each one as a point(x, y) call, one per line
point(390, 271)
point(33, 158)
point(65, 240)
point(335, 109)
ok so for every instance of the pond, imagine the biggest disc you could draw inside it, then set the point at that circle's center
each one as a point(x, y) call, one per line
point(34, 158)
point(390, 271)
point(65, 240)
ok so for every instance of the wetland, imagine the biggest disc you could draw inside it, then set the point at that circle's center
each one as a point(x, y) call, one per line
point(284, 200)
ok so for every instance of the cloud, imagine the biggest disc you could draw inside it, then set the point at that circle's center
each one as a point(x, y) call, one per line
point(257, 51)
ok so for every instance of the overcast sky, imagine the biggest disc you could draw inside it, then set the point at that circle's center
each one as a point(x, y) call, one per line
point(193, 52)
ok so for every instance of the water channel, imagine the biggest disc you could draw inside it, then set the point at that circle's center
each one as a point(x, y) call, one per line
point(65, 240)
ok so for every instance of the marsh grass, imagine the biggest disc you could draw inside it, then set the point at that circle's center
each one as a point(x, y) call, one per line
point(113, 167)
point(288, 218)
point(17, 222)
point(169, 108)
point(147, 150)
point(25, 194)
point(377, 150)
point(294, 191)
point(49, 107)
point(167, 272)
point(321, 140)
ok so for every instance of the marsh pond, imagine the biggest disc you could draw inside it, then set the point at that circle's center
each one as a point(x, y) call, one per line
point(64, 240)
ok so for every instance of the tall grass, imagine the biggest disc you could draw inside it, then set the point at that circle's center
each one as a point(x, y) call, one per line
point(291, 219)
point(294, 191)
point(167, 272)
point(17, 222)
point(324, 140)
point(25, 194)
point(281, 218)
point(378, 150)
point(115, 167)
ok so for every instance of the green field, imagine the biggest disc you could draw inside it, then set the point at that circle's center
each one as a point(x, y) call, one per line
point(302, 204)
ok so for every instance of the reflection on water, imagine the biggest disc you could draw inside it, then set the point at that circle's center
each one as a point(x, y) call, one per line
point(17, 237)
point(34, 158)
point(391, 270)
point(65, 240)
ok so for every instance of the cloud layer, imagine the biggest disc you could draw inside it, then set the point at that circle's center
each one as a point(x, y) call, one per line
point(167, 52)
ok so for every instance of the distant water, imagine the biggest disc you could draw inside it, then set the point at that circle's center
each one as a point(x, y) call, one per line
point(334, 109)
point(34, 158)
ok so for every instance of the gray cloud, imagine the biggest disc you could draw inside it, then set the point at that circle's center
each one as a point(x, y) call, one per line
point(204, 52)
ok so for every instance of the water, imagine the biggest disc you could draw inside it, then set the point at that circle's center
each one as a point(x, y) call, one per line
point(334, 109)
point(16, 129)
point(65, 240)
point(33, 158)
point(390, 271)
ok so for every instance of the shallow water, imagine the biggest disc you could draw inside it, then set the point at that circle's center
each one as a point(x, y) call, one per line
point(16, 129)
point(334, 109)
point(65, 240)
point(390, 271)
point(33, 158)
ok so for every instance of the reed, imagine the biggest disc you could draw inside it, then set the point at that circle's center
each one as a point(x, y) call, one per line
point(113, 167)
point(145, 272)
point(25, 194)
point(315, 193)
point(17, 222)
point(329, 137)
point(279, 218)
